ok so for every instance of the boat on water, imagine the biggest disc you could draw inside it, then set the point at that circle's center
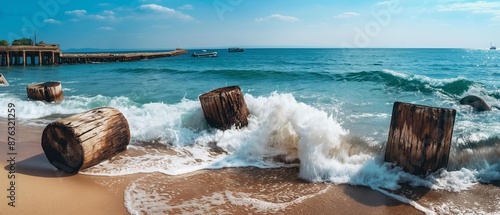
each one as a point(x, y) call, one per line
point(205, 54)
point(236, 50)
point(492, 47)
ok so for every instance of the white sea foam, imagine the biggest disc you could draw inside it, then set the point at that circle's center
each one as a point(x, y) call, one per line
point(370, 115)
point(431, 81)
point(157, 194)
point(408, 201)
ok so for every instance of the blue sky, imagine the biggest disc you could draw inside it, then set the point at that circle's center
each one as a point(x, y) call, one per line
point(165, 24)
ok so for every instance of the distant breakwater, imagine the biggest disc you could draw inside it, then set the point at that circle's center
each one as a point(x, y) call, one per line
point(116, 57)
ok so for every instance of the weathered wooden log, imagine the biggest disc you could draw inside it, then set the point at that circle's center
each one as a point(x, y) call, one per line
point(3, 81)
point(225, 107)
point(84, 140)
point(420, 137)
point(46, 91)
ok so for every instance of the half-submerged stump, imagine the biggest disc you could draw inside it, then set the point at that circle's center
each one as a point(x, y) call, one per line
point(84, 140)
point(46, 91)
point(3, 81)
point(420, 137)
point(225, 107)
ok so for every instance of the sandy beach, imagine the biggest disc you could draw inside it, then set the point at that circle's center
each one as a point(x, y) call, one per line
point(40, 189)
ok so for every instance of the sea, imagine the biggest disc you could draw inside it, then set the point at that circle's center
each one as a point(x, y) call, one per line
point(330, 109)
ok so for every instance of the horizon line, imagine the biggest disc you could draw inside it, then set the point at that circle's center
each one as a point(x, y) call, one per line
point(266, 47)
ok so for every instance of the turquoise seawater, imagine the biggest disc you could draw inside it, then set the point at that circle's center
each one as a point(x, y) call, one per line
point(330, 108)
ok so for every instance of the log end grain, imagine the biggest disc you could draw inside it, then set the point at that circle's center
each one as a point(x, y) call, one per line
point(62, 148)
point(86, 139)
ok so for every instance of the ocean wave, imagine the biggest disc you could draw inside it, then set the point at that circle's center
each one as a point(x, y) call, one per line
point(412, 83)
point(268, 75)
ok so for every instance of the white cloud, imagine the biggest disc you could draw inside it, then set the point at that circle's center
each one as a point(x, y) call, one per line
point(106, 28)
point(347, 15)
point(277, 17)
point(107, 15)
point(166, 11)
point(384, 2)
point(479, 7)
point(475, 7)
point(52, 21)
point(77, 13)
point(186, 7)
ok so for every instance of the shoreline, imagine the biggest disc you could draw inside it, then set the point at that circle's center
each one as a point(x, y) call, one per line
point(42, 189)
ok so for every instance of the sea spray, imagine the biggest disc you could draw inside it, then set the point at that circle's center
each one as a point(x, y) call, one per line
point(176, 124)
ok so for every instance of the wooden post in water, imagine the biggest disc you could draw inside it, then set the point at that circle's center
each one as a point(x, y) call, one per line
point(24, 58)
point(3, 81)
point(8, 58)
point(225, 107)
point(420, 137)
point(46, 91)
point(84, 140)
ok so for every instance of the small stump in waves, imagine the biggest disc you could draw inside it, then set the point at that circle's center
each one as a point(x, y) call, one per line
point(225, 107)
point(420, 137)
point(46, 91)
point(84, 140)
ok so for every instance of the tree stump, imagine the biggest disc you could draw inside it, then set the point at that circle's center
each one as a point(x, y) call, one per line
point(46, 91)
point(84, 140)
point(3, 81)
point(225, 107)
point(420, 137)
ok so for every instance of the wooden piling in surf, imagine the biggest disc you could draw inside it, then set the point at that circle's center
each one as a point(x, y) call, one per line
point(225, 107)
point(420, 137)
point(46, 91)
point(84, 140)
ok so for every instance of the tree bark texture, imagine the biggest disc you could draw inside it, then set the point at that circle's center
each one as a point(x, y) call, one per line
point(420, 137)
point(225, 107)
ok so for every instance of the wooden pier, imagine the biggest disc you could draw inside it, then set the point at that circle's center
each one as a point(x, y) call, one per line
point(50, 54)
point(115, 57)
point(47, 54)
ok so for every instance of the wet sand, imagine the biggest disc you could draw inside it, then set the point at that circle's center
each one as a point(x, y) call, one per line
point(41, 189)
